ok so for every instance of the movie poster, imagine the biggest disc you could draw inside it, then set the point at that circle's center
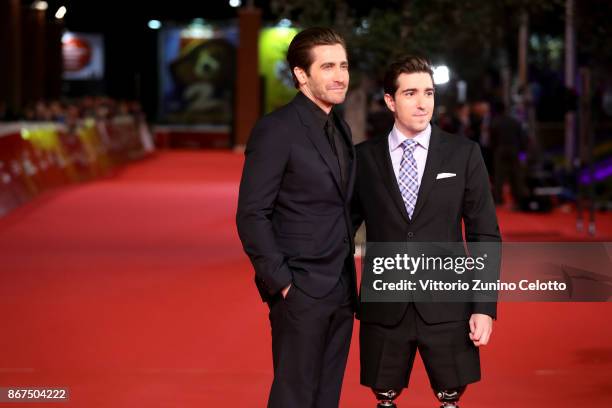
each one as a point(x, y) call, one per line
point(278, 88)
point(198, 73)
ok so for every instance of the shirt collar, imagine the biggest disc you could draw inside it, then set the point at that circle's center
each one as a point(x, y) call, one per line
point(396, 138)
point(318, 114)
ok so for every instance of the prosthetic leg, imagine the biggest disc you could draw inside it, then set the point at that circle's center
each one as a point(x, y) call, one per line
point(450, 398)
point(386, 397)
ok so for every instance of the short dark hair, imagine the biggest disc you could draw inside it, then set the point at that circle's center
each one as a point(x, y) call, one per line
point(299, 55)
point(408, 64)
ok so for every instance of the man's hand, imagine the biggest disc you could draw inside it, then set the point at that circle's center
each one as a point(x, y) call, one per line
point(481, 326)
point(285, 291)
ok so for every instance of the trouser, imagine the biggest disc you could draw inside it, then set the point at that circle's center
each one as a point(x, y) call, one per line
point(387, 353)
point(310, 345)
point(506, 169)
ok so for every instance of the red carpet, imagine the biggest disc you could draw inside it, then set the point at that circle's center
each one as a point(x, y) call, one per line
point(134, 292)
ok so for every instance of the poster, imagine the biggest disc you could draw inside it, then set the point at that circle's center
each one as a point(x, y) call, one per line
point(198, 73)
point(278, 86)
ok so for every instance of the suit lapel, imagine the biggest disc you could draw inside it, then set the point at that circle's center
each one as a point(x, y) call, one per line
point(383, 160)
point(346, 133)
point(321, 145)
point(348, 138)
point(432, 165)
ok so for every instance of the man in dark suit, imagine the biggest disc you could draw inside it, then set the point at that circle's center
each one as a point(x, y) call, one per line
point(294, 222)
point(507, 141)
point(418, 184)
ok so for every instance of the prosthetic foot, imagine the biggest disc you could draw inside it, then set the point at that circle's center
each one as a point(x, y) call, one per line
point(386, 397)
point(450, 398)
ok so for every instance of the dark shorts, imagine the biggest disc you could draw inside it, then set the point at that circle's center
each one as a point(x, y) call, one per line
point(387, 353)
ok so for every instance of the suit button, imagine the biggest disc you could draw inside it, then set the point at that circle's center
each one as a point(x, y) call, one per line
point(346, 239)
point(410, 234)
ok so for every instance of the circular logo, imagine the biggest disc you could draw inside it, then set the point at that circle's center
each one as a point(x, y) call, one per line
point(77, 54)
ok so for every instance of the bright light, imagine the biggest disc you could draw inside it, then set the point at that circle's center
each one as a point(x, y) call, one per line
point(198, 29)
point(154, 24)
point(284, 23)
point(441, 75)
point(235, 3)
point(60, 13)
point(40, 5)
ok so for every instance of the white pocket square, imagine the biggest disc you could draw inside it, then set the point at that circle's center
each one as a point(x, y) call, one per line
point(444, 175)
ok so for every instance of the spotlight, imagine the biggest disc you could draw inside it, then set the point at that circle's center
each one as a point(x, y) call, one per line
point(284, 23)
point(60, 13)
point(40, 5)
point(441, 75)
point(154, 24)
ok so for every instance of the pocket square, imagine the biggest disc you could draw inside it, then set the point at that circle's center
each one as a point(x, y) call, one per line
point(444, 175)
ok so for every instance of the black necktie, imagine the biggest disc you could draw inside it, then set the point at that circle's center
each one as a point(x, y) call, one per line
point(330, 133)
point(334, 141)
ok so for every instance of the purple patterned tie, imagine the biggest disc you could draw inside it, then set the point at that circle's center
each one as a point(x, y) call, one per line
point(409, 176)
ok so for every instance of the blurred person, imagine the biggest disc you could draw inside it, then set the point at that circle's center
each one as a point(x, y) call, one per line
point(73, 116)
point(443, 119)
point(57, 111)
point(294, 223)
point(101, 111)
point(28, 112)
point(43, 113)
point(480, 120)
point(419, 184)
point(87, 107)
point(460, 120)
point(122, 109)
point(507, 141)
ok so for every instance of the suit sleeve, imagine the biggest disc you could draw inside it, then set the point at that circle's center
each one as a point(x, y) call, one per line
point(266, 157)
point(481, 225)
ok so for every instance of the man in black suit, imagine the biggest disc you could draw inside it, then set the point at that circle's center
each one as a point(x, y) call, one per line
point(507, 141)
point(418, 184)
point(294, 222)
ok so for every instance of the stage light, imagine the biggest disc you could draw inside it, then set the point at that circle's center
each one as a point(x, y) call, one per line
point(284, 23)
point(60, 13)
point(154, 24)
point(235, 3)
point(40, 5)
point(441, 75)
point(198, 29)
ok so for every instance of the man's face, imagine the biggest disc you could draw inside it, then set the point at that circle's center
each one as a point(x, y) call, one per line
point(327, 81)
point(413, 102)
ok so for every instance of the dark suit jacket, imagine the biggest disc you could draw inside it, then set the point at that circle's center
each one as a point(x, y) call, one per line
point(293, 212)
point(507, 135)
point(441, 207)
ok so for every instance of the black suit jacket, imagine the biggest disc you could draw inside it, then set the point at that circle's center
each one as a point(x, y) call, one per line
point(293, 212)
point(441, 207)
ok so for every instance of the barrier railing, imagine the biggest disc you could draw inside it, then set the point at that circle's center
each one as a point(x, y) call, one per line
point(37, 156)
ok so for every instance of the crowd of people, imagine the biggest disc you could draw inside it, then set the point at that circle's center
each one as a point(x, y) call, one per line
point(69, 112)
point(501, 137)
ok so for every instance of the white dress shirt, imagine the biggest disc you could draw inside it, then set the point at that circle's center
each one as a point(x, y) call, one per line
point(396, 138)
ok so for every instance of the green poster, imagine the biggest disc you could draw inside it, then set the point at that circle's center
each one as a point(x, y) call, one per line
point(278, 85)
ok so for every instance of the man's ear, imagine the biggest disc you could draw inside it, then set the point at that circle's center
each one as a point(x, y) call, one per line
point(390, 102)
point(301, 75)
